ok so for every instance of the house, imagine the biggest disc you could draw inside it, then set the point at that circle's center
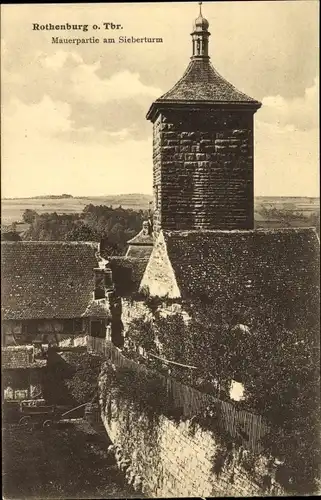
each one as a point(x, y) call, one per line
point(23, 373)
point(142, 244)
point(54, 292)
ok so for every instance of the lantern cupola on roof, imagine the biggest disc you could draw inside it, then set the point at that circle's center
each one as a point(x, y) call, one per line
point(200, 36)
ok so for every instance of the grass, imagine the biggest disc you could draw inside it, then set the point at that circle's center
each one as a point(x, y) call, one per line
point(63, 462)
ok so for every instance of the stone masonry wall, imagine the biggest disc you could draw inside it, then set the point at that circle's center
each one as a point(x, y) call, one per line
point(132, 311)
point(157, 163)
point(203, 169)
point(167, 460)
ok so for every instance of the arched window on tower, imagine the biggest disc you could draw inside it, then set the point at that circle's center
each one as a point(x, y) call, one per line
point(205, 46)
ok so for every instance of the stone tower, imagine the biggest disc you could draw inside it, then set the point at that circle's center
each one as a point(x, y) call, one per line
point(203, 148)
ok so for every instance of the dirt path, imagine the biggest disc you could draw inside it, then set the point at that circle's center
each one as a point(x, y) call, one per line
point(66, 461)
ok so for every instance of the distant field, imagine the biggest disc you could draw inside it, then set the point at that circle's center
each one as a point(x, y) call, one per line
point(12, 209)
point(303, 205)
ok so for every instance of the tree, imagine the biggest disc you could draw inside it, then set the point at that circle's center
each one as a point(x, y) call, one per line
point(83, 383)
point(10, 236)
point(95, 223)
point(82, 232)
point(29, 216)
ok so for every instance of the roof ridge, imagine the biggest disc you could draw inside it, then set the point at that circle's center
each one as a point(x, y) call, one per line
point(141, 239)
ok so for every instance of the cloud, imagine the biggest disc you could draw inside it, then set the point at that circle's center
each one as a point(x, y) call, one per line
point(57, 60)
point(124, 85)
point(90, 135)
point(297, 113)
point(105, 103)
point(53, 119)
point(286, 160)
point(39, 159)
point(37, 120)
point(88, 86)
point(287, 145)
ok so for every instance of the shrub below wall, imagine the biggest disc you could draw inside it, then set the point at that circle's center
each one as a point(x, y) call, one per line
point(72, 377)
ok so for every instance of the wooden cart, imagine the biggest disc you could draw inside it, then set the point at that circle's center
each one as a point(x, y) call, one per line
point(36, 412)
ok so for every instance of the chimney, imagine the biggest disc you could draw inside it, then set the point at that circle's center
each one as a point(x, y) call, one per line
point(103, 282)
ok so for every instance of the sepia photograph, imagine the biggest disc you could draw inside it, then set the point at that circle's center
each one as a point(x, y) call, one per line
point(160, 250)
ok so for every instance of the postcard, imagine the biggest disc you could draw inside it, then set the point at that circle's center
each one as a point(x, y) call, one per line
point(160, 240)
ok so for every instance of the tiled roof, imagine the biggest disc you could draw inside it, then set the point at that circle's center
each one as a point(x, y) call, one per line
point(211, 262)
point(141, 239)
point(259, 266)
point(201, 83)
point(140, 246)
point(20, 357)
point(127, 273)
point(47, 279)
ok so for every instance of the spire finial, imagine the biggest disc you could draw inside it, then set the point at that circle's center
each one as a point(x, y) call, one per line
point(200, 36)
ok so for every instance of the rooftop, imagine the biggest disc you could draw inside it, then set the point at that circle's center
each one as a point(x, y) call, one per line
point(141, 239)
point(278, 267)
point(201, 83)
point(46, 280)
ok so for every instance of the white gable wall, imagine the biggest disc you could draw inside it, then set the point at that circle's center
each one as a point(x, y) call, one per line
point(159, 277)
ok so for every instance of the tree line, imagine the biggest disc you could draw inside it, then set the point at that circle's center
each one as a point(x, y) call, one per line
point(96, 222)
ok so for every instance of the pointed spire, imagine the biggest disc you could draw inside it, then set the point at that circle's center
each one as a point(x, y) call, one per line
point(200, 36)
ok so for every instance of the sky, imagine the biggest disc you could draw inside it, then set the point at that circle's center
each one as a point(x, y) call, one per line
point(74, 117)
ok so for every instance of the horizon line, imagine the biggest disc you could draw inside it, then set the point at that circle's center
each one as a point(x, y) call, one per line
point(69, 195)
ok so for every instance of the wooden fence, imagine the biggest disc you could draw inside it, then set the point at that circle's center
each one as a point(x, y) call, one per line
point(250, 427)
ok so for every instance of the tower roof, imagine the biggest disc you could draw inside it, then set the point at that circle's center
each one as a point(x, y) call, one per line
point(201, 83)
